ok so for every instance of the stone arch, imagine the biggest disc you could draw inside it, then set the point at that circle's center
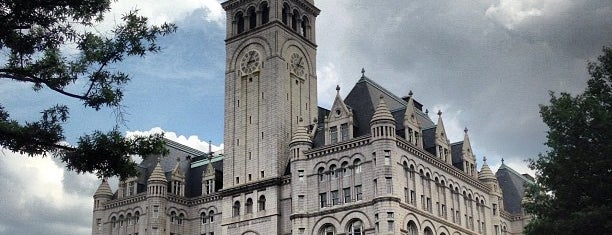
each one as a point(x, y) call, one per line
point(250, 232)
point(293, 45)
point(427, 224)
point(352, 215)
point(258, 43)
point(443, 229)
point(323, 221)
point(411, 217)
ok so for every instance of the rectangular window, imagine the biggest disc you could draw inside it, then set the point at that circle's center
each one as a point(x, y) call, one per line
point(358, 194)
point(344, 131)
point(412, 197)
point(390, 225)
point(335, 199)
point(390, 215)
point(155, 231)
point(375, 187)
point(494, 209)
point(323, 199)
point(333, 134)
point(346, 192)
point(237, 180)
point(99, 224)
point(389, 182)
point(300, 202)
point(428, 204)
point(301, 175)
point(155, 211)
point(387, 157)
point(406, 199)
point(131, 185)
point(301, 231)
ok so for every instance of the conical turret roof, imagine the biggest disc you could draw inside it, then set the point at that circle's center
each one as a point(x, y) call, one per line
point(485, 172)
point(382, 112)
point(158, 174)
point(301, 134)
point(104, 189)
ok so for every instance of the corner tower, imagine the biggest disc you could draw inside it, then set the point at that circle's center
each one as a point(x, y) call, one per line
point(270, 84)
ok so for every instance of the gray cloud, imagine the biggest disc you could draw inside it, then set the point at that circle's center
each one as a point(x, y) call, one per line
point(488, 63)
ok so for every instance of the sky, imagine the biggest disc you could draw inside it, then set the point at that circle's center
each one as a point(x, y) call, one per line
point(486, 64)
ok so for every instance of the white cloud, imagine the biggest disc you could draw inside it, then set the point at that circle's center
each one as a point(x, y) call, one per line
point(511, 13)
point(192, 141)
point(328, 78)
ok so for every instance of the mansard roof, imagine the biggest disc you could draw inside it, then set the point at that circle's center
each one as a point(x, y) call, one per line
point(364, 98)
point(457, 154)
point(512, 185)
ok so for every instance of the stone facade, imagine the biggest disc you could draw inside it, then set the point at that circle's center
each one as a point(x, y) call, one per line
point(374, 163)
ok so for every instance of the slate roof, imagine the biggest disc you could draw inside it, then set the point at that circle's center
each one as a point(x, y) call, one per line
point(513, 187)
point(457, 154)
point(365, 96)
point(188, 156)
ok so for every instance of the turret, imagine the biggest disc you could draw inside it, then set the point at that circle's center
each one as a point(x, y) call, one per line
point(339, 123)
point(442, 142)
point(412, 125)
point(382, 124)
point(103, 194)
point(300, 142)
point(157, 183)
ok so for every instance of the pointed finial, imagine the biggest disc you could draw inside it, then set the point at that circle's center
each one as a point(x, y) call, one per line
point(427, 111)
point(502, 161)
point(410, 93)
point(465, 130)
point(484, 159)
point(210, 147)
point(337, 89)
point(439, 112)
point(362, 72)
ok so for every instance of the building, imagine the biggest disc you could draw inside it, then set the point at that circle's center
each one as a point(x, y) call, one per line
point(374, 163)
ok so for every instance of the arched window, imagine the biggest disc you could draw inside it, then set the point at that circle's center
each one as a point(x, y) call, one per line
point(239, 23)
point(355, 228)
point(261, 203)
point(180, 218)
point(249, 206)
point(357, 166)
point(442, 233)
point(211, 215)
point(345, 169)
point(321, 174)
point(114, 221)
point(203, 217)
point(136, 217)
point(121, 221)
point(428, 231)
point(332, 171)
point(294, 20)
point(305, 26)
point(265, 12)
point(285, 13)
point(129, 219)
point(327, 229)
point(236, 209)
point(412, 228)
point(172, 217)
point(252, 18)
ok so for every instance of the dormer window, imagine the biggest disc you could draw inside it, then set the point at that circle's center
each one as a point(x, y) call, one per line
point(333, 134)
point(344, 131)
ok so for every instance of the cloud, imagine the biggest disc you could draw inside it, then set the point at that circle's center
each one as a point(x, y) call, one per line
point(40, 196)
point(192, 141)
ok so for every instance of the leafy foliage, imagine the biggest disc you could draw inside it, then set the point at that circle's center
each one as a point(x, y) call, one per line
point(573, 194)
point(35, 36)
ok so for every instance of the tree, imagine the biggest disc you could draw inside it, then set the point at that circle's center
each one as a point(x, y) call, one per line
point(38, 39)
point(573, 193)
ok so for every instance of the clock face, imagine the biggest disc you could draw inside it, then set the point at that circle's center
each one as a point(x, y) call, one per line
point(250, 62)
point(297, 65)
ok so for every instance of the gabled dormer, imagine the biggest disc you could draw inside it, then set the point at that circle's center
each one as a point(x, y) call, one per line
point(442, 143)
point(412, 125)
point(339, 125)
point(178, 180)
point(469, 160)
point(208, 178)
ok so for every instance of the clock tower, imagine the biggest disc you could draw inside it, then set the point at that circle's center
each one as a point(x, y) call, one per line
point(270, 84)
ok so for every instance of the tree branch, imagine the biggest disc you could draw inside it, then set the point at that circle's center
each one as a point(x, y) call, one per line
point(4, 73)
